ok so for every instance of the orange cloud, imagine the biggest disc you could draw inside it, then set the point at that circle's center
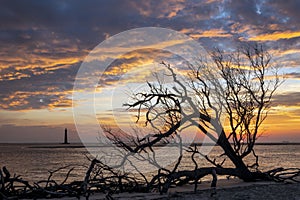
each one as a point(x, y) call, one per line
point(24, 101)
point(13, 76)
point(166, 9)
point(60, 102)
point(20, 68)
point(275, 36)
point(172, 14)
point(102, 53)
point(208, 33)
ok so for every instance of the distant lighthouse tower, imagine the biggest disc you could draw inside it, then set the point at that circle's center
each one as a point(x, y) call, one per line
point(66, 137)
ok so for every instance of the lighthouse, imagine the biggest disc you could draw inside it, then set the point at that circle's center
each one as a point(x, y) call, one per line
point(66, 137)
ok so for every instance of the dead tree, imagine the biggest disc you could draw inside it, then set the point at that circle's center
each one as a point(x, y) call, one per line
point(239, 87)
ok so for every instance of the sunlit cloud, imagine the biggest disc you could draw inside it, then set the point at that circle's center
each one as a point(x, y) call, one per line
point(213, 33)
point(108, 52)
point(276, 36)
point(36, 100)
point(165, 9)
point(133, 67)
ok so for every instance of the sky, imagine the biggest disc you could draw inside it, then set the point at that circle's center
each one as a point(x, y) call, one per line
point(44, 43)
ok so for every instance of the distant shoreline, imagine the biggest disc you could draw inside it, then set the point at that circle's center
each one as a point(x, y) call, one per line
point(79, 145)
point(94, 145)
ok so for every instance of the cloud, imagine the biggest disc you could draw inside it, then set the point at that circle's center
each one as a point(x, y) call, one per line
point(159, 9)
point(38, 90)
point(135, 66)
point(291, 51)
point(275, 36)
point(36, 100)
point(287, 99)
point(212, 33)
point(116, 49)
point(288, 10)
point(292, 75)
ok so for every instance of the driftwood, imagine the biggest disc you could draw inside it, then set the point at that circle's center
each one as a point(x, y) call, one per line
point(101, 178)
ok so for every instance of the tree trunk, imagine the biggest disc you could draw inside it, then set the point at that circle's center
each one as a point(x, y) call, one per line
point(243, 172)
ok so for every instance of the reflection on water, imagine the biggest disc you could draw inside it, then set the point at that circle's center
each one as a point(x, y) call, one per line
point(33, 163)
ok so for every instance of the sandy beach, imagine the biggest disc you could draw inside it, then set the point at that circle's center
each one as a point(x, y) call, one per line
point(254, 191)
point(233, 189)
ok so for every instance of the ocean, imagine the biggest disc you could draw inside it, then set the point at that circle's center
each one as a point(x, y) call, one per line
point(34, 161)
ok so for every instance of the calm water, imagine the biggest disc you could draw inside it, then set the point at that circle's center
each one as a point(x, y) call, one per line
point(33, 163)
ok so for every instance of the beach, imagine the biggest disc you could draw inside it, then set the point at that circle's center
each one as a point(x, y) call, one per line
point(252, 191)
point(233, 189)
